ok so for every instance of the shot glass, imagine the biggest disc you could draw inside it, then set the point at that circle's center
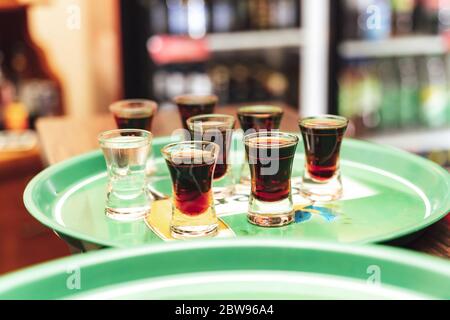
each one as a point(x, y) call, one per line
point(193, 105)
point(270, 157)
point(126, 152)
point(322, 138)
point(191, 165)
point(256, 118)
point(217, 128)
point(136, 114)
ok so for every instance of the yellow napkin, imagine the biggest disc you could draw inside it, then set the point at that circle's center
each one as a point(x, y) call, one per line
point(159, 221)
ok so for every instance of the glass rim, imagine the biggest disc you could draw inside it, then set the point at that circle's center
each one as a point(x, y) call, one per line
point(244, 110)
point(228, 120)
point(192, 99)
point(105, 135)
point(166, 153)
point(344, 120)
point(126, 106)
point(294, 139)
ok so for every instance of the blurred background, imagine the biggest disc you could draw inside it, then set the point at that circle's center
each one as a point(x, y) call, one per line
point(384, 64)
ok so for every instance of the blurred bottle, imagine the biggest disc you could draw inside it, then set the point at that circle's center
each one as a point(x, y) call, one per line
point(350, 23)
point(177, 17)
point(403, 16)
point(374, 19)
point(158, 16)
point(284, 13)
point(223, 17)
point(433, 95)
point(409, 92)
point(427, 16)
point(259, 14)
point(390, 102)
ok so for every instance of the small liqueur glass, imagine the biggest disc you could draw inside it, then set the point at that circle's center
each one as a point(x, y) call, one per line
point(126, 152)
point(257, 118)
point(190, 105)
point(270, 157)
point(322, 139)
point(217, 128)
point(136, 114)
point(191, 165)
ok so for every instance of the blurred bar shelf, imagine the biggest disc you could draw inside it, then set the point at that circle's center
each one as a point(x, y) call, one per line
point(421, 140)
point(394, 47)
point(254, 40)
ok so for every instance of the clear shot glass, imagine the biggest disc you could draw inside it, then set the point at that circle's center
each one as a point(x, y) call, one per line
point(126, 152)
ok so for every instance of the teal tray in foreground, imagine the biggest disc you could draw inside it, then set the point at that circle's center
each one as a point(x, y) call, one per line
point(231, 269)
point(388, 194)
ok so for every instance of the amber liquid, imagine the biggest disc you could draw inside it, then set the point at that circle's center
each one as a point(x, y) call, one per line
point(322, 140)
point(277, 186)
point(224, 143)
point(192, 192)
point(143, 122)
point(194, 109)
point(260, 120)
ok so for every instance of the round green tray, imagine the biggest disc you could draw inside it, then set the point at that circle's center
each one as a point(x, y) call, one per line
point(236, 269)
point(388, 194)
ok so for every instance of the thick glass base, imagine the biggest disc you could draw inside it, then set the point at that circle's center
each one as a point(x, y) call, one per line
point(185, 226)
point(270, 214)
point(127, 214)
point(321, 191)
point(129, 206)
point(187, 232)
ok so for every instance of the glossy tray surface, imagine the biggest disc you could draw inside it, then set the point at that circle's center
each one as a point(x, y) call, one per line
point(236, 269)
point(388, 194)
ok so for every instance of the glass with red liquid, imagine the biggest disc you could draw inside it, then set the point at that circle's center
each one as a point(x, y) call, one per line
point(134, 113)
point(191, 165)
point(256, 118)
point(270, 157)
point(322, 139)
point(190, 105)
point(217, 128)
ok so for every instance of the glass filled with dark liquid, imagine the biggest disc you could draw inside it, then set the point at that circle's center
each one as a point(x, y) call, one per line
point(191, 165)
point(134, 113)
point(217, 128)
point(270, 157)
point(193, 105)
point(256, 118)
point(322, 139)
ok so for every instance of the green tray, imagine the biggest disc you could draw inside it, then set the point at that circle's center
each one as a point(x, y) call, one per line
point(388, 194)
point(236, 269)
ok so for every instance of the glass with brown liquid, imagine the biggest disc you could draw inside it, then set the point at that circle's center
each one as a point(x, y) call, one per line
point(190, 105)
point(191, 165)
point(322, 139)
point(217, 128)
point(270, 156)
point(257, 118)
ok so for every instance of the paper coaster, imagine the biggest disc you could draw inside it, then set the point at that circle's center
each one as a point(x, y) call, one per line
point(161, 214)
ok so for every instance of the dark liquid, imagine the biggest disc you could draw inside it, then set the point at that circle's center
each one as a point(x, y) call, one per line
point(223, 139)
point(260, 120)
point(190, 110)
point(276, 186)
point(322, 141)
point(143, 122)
point(192, 192)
